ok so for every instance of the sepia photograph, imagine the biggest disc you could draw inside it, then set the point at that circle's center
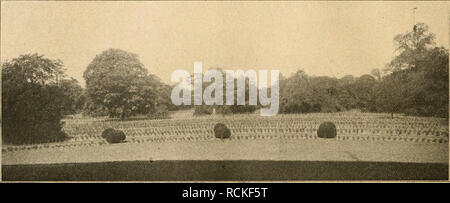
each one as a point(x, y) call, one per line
point(224, 91)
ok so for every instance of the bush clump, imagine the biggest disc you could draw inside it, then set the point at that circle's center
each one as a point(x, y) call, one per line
point(327, 130)
point(107, 132)
point(113, 136)
point(221, 131)
point(32, 103)
point(121, 135)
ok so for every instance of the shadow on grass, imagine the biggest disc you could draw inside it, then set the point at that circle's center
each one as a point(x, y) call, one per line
point(225, 171)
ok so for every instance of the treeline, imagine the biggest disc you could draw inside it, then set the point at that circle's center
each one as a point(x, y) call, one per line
point(415, 82)
point(301, 93)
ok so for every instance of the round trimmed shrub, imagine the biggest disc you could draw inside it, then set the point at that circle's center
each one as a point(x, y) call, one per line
point(107, 132)
point(221, 131)
point(121, 135)
point(327, 130)
point(113, 136)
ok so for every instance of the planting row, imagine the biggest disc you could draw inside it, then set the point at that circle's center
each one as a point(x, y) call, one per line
point(145, 138)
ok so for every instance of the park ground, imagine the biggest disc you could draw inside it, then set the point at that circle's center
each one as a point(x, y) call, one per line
point(245, 157)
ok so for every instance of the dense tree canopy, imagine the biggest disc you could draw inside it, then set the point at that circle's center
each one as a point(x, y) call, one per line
point(418, 83)
point(301, 93)
point(117, 81)
point(33, 102)
point(74, 95)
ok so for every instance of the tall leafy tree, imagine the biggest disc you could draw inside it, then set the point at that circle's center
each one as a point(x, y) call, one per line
point(33, 102)
point(118, 81)
point(418, 79)
point(411, 47)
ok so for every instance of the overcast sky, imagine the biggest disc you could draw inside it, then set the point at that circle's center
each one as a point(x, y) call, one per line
point(333, 39)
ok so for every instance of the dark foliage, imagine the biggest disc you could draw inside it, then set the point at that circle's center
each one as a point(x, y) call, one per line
point(33, 102)
point(107, 132)
point(74, 96)
point(121, 135)
point(113, 136)
point(221, 131)
point(327, 130)
point(113, 139)
point(118, 83)
point(417, 83)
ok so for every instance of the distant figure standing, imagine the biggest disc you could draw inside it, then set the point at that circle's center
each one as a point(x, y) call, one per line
point(214, 111)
